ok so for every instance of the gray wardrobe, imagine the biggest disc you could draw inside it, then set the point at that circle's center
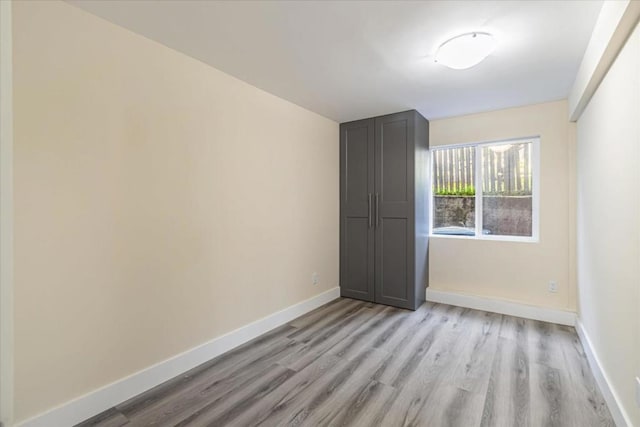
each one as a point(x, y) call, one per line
point(384, 209)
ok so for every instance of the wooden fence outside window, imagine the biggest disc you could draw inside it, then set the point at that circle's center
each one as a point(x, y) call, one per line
point(506, 173)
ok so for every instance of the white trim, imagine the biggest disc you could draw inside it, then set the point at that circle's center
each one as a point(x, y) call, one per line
point(535, 193)
point(517, 140)
point(620, 416)
point(6, 215)
point(616, 22)
point(516, 239)
point(561, 317)
point(104, 398)
point(430, 193)
point(477, 182)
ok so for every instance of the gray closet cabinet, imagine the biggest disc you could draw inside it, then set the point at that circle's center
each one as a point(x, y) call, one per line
point(384, 210)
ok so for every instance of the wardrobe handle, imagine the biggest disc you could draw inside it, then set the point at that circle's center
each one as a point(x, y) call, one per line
point(369, 216)
point(377, 210)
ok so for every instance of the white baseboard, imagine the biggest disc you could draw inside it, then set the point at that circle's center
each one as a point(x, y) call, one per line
point(618, 413)
point(560, 317)
point(110, 395)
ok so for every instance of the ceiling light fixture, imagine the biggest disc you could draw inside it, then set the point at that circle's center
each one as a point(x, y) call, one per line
point(465, 51)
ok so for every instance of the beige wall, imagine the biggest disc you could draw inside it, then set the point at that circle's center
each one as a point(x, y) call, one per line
point(6, 215)
point(608, 232)
point(514, 271)
point(159, 203)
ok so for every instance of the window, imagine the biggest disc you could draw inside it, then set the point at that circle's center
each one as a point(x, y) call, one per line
point(486, 190)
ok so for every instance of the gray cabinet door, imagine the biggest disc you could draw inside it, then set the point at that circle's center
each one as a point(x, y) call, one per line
point(394, 203)
point(356, 209)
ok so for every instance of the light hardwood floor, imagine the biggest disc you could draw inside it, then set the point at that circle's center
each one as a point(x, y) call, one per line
point(352, 363)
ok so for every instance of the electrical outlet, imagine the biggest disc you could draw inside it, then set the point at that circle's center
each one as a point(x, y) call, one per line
point(315, 279)
point(553, 286)
point(638, 391)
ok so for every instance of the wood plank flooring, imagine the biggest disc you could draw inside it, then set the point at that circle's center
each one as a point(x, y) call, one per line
point(352, 363)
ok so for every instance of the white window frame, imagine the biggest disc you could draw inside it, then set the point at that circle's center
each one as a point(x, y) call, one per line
point(535, 191)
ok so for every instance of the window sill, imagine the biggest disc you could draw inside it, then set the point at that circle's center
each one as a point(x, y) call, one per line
point(515, 239)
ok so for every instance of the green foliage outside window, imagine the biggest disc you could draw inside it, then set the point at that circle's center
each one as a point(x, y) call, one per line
point(467, 190)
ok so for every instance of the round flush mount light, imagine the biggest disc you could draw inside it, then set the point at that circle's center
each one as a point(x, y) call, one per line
point(465, 51)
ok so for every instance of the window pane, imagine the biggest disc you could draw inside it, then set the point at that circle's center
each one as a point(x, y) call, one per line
point(507, 189)
point(454, 200)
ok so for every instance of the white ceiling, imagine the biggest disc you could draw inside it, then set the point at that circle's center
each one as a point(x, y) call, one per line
point(354, 59)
